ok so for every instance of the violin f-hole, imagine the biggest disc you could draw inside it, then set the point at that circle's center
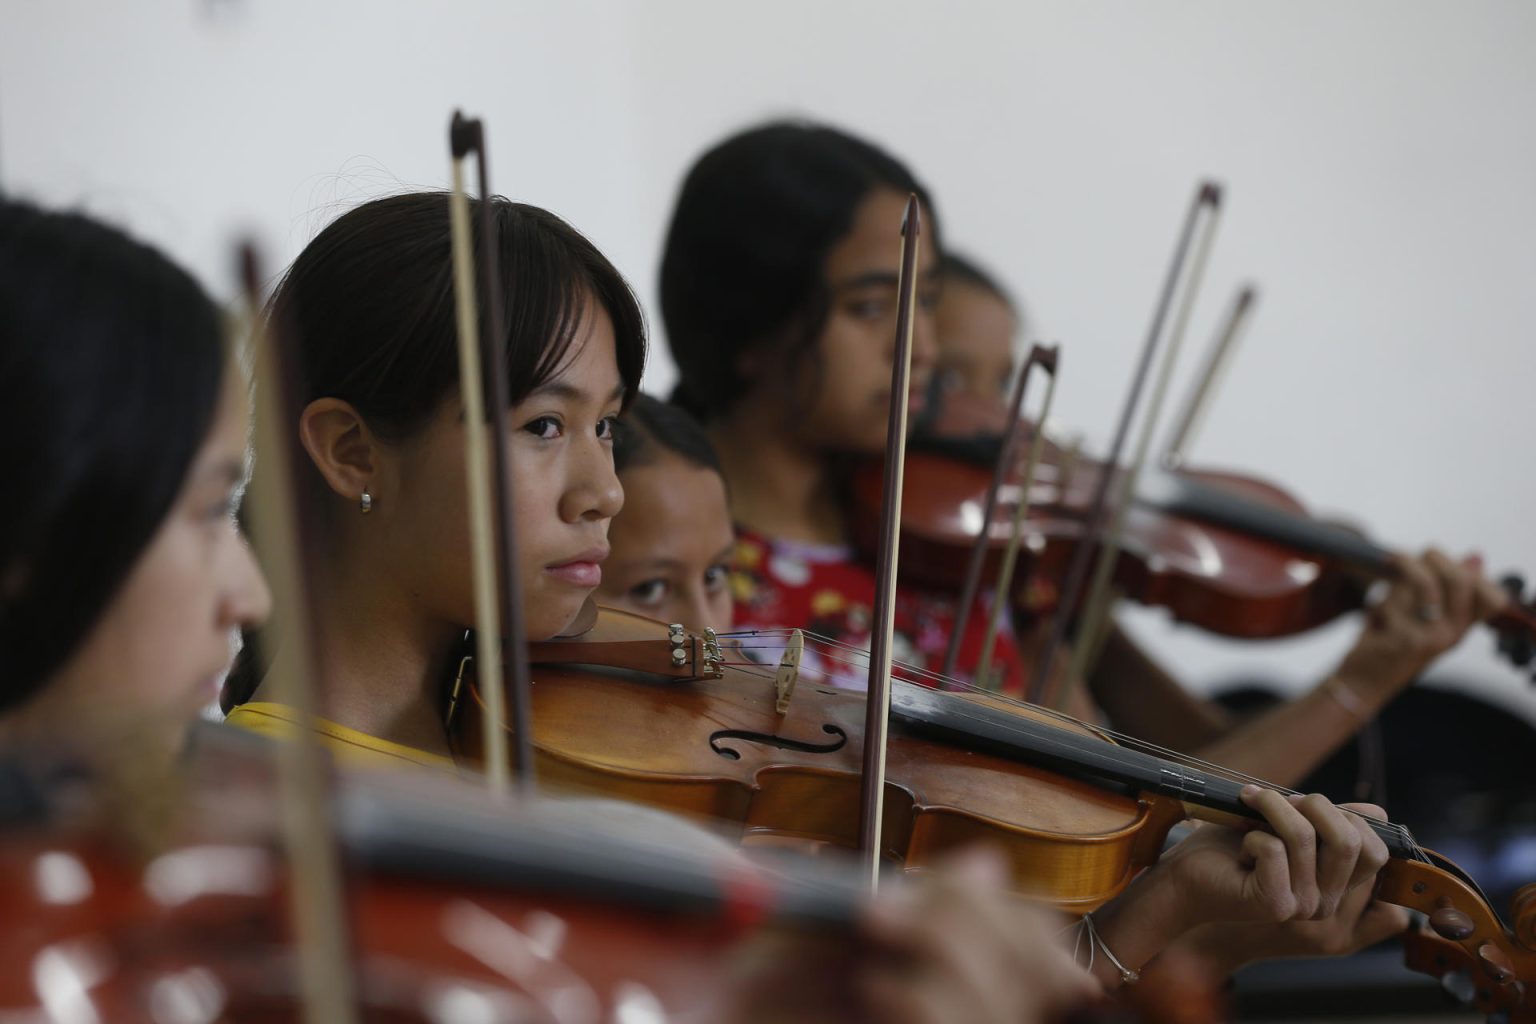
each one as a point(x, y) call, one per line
point(782, 742)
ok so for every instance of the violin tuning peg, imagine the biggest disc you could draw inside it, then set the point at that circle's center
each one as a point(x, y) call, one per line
point(1451, 923)
point(1495, 963)
point(1517, 647)
point(1514, 644)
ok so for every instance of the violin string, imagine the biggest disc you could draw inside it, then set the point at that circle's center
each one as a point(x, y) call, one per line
point(961, 686)
point(1400, 831)
point(851, 655)
point(951, 684)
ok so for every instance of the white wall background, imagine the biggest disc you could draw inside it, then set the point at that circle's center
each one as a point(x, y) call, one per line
point(1380, 160)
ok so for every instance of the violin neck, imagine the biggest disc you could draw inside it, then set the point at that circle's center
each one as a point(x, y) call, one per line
point(1179, 494)
point(1208, 795)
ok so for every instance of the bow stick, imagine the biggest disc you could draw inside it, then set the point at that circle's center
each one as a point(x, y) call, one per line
point(1207, 197)
point(877, 716)
point(282, 525)
point(499, 638)
point(1047, 359)
point(989, 508)
point(1215, 365)
point(1095, 615)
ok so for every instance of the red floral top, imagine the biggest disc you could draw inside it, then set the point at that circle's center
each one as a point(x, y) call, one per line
point(824, 589)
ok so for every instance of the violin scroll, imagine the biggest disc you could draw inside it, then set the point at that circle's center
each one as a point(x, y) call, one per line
point(1463, 977)
point(1477, 958)
point(1523, 915)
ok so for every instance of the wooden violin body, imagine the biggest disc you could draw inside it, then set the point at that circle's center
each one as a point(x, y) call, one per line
point(1228, 552)
point(613, 714)
point(1212, 577)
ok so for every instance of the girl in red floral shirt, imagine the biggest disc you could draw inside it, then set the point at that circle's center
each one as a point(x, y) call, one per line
point(779, 297)
point(778, 288)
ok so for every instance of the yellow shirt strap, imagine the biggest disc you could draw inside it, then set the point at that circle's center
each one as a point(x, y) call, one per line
point(279, 722)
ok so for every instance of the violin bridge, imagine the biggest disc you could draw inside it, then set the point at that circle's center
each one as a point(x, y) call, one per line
point(789, 671)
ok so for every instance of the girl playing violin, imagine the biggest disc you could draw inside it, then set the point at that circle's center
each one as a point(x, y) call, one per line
point(676, 459)
point(1427, 611)
point(370, 303)
point(113, 363)
point(972, 372)
point(123, 576)
point(778, 290)
point(783, 350)
point(671, 546)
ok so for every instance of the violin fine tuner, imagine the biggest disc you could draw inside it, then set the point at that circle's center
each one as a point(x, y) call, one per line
point(687, 648)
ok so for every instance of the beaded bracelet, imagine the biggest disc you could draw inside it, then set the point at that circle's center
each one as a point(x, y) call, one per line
point(1347, 699)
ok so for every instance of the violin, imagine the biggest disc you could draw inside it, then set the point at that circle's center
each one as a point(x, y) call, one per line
point(1231, 553)
point(654, 714)
point(459, 906)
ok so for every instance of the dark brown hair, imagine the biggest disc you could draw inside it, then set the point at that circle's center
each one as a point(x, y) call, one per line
point(111, 364)
point(746, 249)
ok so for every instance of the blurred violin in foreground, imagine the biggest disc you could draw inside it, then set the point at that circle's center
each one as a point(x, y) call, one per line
point(459, 906)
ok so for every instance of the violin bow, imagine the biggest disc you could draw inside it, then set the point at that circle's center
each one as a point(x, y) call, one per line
point(1216, 363)
point(877, 716)
point(282, 525)
point(1048, 359)
point(1094, 622)
point(1370, 783)
point(1207, 197)
point(989, 508)
point(500, 639)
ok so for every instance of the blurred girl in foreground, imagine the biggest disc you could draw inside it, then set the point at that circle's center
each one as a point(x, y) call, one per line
point(123, 576)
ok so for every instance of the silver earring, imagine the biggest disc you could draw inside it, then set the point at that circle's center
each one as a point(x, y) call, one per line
point(365, 502)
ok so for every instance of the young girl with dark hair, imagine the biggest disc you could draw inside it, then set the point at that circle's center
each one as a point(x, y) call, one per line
point(778, 291)
point(123, 576)
point(779, 296)
point(977, 321)
point(672, 544)
point(1426, 612)
point(370, 301)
